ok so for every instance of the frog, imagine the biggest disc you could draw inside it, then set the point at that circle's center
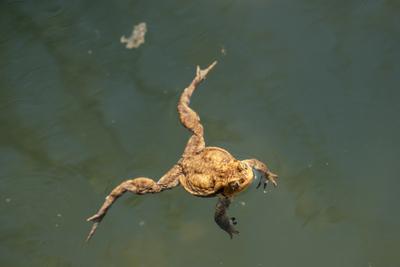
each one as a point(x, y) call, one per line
point(203, 171)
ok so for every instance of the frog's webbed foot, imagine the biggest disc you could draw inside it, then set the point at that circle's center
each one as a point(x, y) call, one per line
point(266, 178)
point(221, 217)
point(266, 174)
point(140, 186)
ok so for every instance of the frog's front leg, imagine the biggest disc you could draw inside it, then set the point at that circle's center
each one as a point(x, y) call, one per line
point(221, 217)
point(267, 175)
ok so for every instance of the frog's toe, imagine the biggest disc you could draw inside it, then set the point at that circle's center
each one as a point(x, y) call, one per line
point(232, 231)
point(95, 218)
point(234, 221)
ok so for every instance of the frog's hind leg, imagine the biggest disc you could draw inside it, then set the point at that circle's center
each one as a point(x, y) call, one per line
point(140, 186)
point(221, 216)
point(189, 118)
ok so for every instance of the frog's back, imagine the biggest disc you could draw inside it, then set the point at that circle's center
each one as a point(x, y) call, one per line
point(207, 172)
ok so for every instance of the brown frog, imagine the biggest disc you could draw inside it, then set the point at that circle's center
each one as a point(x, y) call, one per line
point(202, 171)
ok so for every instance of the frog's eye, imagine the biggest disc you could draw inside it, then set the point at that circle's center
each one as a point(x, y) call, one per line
point(242, 180)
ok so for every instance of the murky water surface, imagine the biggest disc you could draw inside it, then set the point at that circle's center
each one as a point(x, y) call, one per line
point(311, 87)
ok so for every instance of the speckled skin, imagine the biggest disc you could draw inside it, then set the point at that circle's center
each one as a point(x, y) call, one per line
point(202, 171)
point(214, 171)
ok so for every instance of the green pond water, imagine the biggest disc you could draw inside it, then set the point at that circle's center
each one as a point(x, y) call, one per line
point(310, 87)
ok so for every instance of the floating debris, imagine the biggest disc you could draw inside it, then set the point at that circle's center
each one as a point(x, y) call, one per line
point(242, 203)
point(89, 52)
point(137, 37)
point(59, 215)
point(141, 223)
point(223, 51)
point(8, 200)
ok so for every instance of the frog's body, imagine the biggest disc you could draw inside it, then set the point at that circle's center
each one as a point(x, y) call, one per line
point(202, 171)
point(212, 171)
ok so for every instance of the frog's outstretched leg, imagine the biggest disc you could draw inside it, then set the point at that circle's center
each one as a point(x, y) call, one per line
point(140, 186)
point(189, 117)
point(267, 175)
point(221, 217)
